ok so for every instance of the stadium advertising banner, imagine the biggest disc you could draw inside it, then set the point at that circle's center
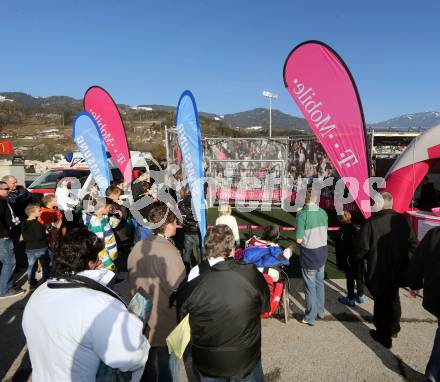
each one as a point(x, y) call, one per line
point(88, 138)
point(190, 143)
point(101, 106)
point(323, 88)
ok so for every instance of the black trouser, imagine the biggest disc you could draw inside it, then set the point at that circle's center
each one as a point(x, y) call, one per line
point(192, 373)
point(355, 274)
point(387, 313)
point(160, 367)
point(124, 249)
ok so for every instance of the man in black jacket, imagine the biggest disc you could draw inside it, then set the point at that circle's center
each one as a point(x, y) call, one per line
point(425, 273)
point(191, 239)
point(18, 198)
point(7, 256)
point(386, 241)
point(224, 313)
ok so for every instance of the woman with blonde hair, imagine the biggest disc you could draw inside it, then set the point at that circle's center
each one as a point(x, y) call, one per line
point(226, 218)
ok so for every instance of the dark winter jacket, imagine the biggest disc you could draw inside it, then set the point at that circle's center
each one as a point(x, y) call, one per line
point(124, 230)
point(190, 225)
point(424, 271)
point(345, 245)
point(18, 200)
point(34, 234)
point(224, 314)
point(139, 188)
point(5, 219)
point(387, 241)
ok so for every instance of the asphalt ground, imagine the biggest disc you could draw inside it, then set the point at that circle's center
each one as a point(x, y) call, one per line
point(337, 348)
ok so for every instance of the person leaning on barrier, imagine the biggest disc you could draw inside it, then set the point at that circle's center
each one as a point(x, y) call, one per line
point(70, 330)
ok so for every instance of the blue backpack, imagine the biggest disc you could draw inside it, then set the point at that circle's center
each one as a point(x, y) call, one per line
point(265, 256)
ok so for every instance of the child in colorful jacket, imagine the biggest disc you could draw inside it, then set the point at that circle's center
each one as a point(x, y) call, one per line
point(101, 225)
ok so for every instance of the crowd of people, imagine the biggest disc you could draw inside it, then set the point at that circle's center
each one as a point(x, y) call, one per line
point(76, 326)
point(244, 149)
point(309, 160)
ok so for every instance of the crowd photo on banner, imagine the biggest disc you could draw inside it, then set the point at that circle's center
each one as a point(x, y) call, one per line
point(196, 293)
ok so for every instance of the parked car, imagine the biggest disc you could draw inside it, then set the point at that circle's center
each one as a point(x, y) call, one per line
point(77, 168)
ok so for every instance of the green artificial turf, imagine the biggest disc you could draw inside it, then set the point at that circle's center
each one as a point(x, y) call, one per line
point(284, 219)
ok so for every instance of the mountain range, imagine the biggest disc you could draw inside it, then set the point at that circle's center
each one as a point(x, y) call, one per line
point(255, 119)
point(417, 121)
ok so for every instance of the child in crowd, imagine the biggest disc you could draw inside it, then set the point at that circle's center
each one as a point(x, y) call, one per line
point(34, 236)
point(101, 225)
point(269, 239)
point(225, 217)
point(353, 268)
point(52, 218)
point(89, 200)
point(124, 230)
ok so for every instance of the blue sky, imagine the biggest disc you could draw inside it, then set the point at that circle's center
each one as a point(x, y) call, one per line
point(226, 51)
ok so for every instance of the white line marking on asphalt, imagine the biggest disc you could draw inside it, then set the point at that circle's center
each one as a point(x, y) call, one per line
point(16, 364)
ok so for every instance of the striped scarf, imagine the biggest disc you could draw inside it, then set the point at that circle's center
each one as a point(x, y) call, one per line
point(100, 226)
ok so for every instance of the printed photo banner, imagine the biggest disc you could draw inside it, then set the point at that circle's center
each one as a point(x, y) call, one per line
point(88, 138)
point(321, 85)
point(101, 106)
point(190, 143)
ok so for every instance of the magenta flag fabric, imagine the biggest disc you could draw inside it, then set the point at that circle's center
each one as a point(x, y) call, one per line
point(325, 92)
point(101, 106)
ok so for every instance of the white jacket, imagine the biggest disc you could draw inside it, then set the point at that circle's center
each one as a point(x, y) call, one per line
point(231, 222)
point(66, 200)
point(69, 331)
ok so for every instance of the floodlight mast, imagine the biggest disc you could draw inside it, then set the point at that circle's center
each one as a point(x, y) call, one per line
point(271, 96)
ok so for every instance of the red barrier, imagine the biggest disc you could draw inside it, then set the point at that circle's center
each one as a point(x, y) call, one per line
point(262, 227)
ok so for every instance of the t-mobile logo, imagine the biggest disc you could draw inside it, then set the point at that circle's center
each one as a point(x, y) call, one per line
point(348, 158)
